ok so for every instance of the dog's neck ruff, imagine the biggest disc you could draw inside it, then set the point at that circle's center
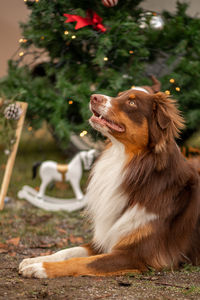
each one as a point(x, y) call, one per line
point(107, 201)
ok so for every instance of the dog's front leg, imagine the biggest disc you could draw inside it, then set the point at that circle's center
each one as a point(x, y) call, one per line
point(98, 265)
point(62, 255)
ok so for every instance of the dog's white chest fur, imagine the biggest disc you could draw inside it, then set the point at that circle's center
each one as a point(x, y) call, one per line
point(106, 200)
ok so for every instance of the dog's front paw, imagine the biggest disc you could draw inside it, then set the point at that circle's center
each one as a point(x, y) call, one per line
point(35, 270)
point(27, 261)
point(30, 261)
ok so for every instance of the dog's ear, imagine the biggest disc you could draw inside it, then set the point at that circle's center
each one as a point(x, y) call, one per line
point(162, 119)
point(166, 121)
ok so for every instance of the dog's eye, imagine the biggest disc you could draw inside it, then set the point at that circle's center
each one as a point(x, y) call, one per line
point(131, 103)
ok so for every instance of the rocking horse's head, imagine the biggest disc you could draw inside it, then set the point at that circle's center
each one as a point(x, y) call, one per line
point(87, 158)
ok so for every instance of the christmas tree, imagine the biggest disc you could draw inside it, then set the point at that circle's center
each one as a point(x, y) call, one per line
point(120, 48)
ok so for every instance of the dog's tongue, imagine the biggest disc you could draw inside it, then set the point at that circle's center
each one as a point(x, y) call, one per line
point(108, 123)
point(114, 126)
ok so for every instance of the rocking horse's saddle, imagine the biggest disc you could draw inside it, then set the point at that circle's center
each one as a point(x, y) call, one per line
point(62, 169)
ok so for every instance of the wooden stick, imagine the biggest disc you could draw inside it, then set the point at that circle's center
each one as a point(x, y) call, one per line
point(11, 159)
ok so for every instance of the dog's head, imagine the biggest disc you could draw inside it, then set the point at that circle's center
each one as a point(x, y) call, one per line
point(137, 119)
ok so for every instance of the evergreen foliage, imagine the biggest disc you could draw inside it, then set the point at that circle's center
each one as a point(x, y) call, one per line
point(76, 67)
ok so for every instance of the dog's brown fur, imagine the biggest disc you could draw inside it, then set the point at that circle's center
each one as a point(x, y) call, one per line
point(155, 87)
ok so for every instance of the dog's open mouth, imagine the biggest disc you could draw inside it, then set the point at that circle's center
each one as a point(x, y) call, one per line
point(97, 118)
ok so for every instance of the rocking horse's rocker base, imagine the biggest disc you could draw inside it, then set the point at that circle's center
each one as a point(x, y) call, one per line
point(50, 203)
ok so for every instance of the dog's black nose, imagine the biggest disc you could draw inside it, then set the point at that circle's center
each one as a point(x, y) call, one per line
point(96, 98)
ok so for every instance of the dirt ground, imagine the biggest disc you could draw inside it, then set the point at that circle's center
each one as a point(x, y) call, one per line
point(26, 231)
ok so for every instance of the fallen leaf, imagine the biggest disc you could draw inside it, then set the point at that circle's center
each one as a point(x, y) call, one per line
point(154, 278)
point(75, 239)
point(10, 222)
point(62, 230)
point(62, 243)
point(4, 246)
point(12, 254)
point(46, 253)
point(46, 245)
point(3, 251)
point(79, 239)
point(103, 296)
point(14, 241)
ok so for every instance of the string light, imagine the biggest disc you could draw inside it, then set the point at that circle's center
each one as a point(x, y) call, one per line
point(36, 0)
point(70, 102)
point(42, 38)
point(83, 133)
point(172, 80)
point(22, 40)
point(167, 92)
point(66, 32)
point(105, 59)
point(131, 51)
point(30, 128)
point(133, 87)
point(73, 36)
point(21, 53)
point(178, 89)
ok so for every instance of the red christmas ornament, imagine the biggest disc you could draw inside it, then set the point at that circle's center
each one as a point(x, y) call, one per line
point(109, 3)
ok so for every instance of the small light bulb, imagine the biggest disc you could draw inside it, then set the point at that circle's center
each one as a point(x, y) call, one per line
point(131, 51)
point(167, 92)
point(84, 132)
point(178, 89)
point(133, 87)
point(70, 102)
point(21, 40)
point(42, 38)
point(105, 59)
point(25, 40)
point(30, 128)
point(21, 53)
point(73, 37)
point(66, 32)
point(172, 80)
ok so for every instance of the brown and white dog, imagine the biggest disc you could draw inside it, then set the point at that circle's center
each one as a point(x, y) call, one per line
point(143, 196)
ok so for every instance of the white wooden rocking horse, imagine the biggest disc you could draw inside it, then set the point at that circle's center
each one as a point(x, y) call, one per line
point(72, 172)
point(52, 171)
